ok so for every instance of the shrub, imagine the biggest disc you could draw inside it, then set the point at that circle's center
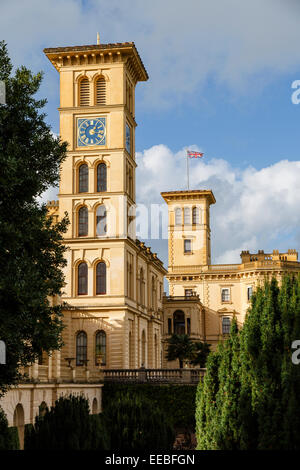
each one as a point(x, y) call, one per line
point(136, 423)
point(67, 426)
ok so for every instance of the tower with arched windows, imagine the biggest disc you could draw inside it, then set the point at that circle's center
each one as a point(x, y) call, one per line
point(113, 282)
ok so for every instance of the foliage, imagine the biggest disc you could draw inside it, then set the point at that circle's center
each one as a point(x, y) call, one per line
point(180, 347)
point(136, 423)
point(67, 426)
point(200, 353)
point(31, 250)
point(8, 436)
point(183, 348)
point(177, 401)
point(249, 398)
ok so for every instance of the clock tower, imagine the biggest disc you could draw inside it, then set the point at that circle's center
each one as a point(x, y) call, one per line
point(97, 190)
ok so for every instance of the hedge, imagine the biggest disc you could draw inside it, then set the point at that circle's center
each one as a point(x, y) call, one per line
point(177, 401)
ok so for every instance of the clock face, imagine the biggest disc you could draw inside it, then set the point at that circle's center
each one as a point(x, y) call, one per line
point(128, 139)
point(91, 132)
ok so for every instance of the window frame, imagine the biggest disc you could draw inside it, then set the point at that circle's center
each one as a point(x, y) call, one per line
point(81, 349)
point(186, 241)
point(101, 278)
point(225, 298)
point(80, 290)
point(85, 223)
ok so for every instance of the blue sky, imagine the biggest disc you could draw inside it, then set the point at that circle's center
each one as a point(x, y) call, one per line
point(220, 81)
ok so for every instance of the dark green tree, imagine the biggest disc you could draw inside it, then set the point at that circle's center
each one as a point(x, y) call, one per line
point(8, 435)
point(67, 426)
point(180, 347)
point(200, 353)
point(31, 250)
point(250, 396)
point(135, 423)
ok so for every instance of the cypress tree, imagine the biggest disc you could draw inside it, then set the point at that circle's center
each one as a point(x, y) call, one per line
point(250, 397)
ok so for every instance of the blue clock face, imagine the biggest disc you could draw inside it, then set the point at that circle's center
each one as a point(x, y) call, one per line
point(91, 132)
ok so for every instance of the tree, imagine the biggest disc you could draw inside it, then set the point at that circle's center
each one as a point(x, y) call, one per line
point(200, 354)
point(31, 250)
point(67, 426)
point(180, 347)
point(249, 398)
point(134, 423)
point(8, 436)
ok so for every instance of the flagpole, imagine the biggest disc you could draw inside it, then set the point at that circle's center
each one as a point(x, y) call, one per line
point(187, 171)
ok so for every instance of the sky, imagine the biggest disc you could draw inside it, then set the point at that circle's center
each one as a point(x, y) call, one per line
point(221, 75)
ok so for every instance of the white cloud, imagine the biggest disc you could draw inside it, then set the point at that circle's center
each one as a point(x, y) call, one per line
point(183, 44)
point(255, 209)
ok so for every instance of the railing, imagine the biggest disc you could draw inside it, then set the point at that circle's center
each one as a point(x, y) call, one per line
point(170, 298)
point(154, 376)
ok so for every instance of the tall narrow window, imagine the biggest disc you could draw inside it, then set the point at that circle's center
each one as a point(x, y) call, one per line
point(187, 216)
point(83, 178)
point(84, 92)
point(101, 177)
point(179, 322)
point(178, 216)
point(100, 91)
point(83, 221)
point(101, 227)
point(101, 278)
point(142, 287)
point(169, 326)
point(225, 295)
point(143, 349)
point(249, 292)
point(82, 279)
point(188, 326)
point(100, 349)
point(81, 348)
point(196, 218)
point(187, 246)
point(154, 296)
point(225, 325)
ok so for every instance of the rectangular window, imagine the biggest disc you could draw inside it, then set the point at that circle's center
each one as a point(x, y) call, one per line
point(225, 295)
point(169, 326)
point(188, 326)
point(188, 292)
point(187, 246)
point(225, 325)
point(249, 292)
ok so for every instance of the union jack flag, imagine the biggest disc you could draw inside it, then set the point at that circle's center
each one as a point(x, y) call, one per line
point(192, 154)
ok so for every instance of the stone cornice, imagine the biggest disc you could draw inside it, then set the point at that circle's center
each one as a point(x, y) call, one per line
point(99, 54)
point(186, 195)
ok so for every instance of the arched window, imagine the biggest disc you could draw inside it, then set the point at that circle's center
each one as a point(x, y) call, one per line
point(95, 407)
point(196, 218)
point(84, 92)
point(19, 422)
point(100, 91)
point(81, 348)
point(179, 322)
point(101, 228)
point(178, 216)
point(187, 216)
point(100, 349)
point(101, 177)
point(82, 279)
point(101, 278)
point(83, 178)
point(142, 287)
point(143, 349)
point(83, 221)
